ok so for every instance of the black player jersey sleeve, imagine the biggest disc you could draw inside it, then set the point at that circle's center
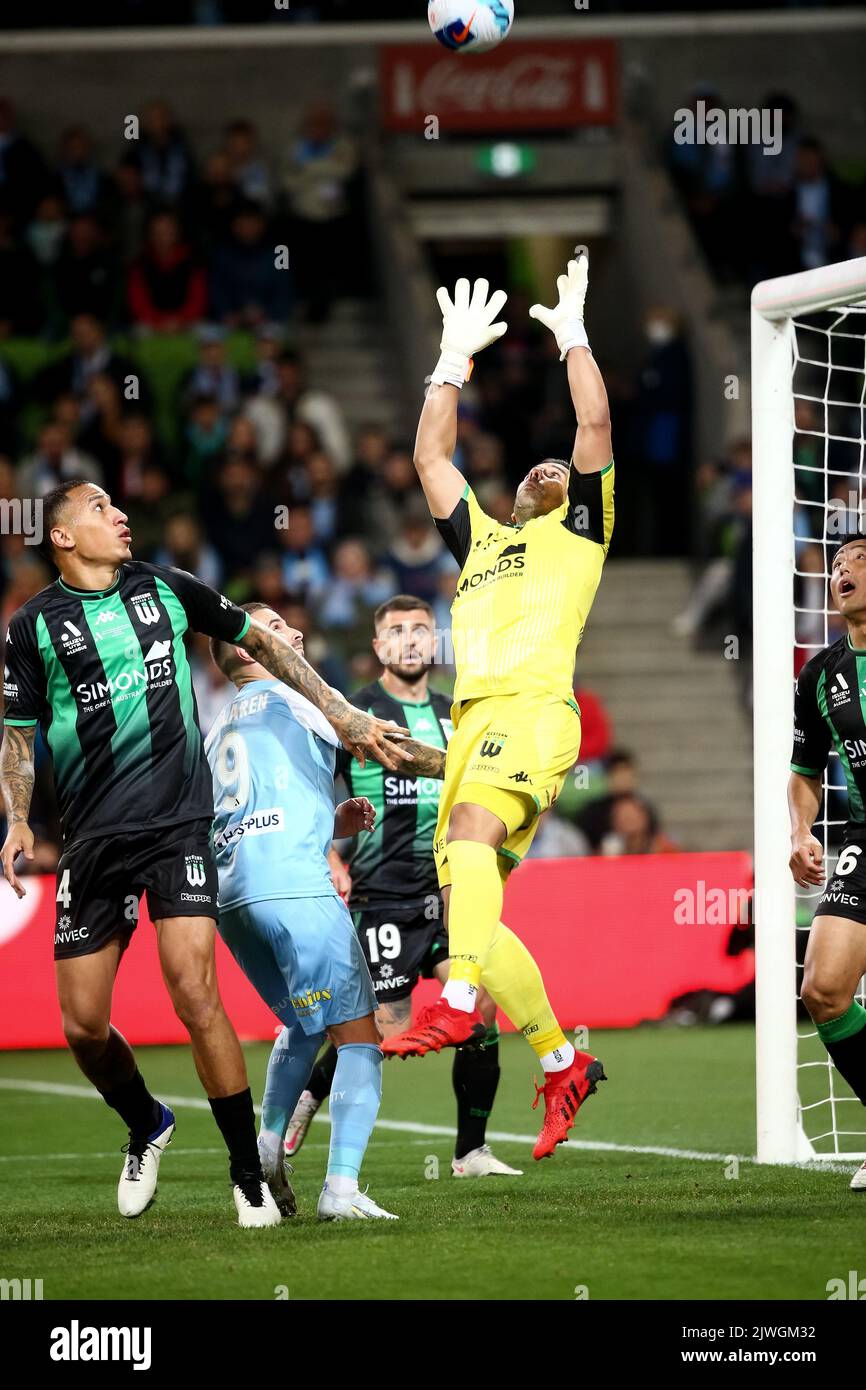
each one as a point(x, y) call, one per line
point(24, 673)
point(456, 530)
point(207, 611)
point(812, 736)
point(590, 504)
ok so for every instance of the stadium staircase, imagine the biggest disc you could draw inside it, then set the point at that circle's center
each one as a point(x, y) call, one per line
point(352, 356)
point(679, 710)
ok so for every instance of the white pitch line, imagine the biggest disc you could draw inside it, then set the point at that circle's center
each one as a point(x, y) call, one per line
point(496, 1136)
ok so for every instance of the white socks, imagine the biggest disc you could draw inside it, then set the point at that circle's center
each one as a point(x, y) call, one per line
point(460, 995)
point(341, 1186)
point(559, 1059)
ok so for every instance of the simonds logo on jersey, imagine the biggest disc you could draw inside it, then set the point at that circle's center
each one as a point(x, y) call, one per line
point(128, 684)
point(510, 563)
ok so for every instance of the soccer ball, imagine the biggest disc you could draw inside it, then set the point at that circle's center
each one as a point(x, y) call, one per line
point(469, 27)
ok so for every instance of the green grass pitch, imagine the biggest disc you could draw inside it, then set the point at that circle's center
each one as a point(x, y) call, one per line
point(597, 1222)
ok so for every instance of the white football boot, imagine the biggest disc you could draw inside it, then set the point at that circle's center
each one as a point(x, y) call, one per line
point(481, 1163)
point(254, 1203)
point(356, 1207)
point(858, 1182)
point(137, 1186)
point(300, 1122)
point(276, 1171)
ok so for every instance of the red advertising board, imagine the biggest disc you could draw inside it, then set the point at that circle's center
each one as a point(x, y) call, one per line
point(520, 86)
point(616, 940)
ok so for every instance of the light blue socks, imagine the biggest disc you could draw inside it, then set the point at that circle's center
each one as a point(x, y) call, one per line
point(356, 1092)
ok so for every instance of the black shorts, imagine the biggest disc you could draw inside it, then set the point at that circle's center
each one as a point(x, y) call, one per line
point(100, 883)
point(844, 893)
point(402, 944)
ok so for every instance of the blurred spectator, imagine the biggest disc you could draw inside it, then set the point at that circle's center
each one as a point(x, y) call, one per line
point(596, 819)
point(213, 375)
point(356, 587)
point(819, 208)
point(323, 496)
point(418, 556)
point(663, 421)
point(556, 839)
point(149, 510)
point(22, 172)
point(85, 275)
point(247, 166)
point(137, 450)
point(710, 180)
point(186, 548)
point(216, 199)
point(239, 520)
point(91, 355)
point(321, 164)
point(264, 379)
point(770, 178)
point(167, 287)
point(247, 287)
point(20, 300)
point(595, 725)
point(316, 408)
point(101, 436)
point(387, 499)
point(633, 829)
point(305, 565)
point(130, 211)
point(46, 231)
point(205, 438)
point(161, 155)
point(52, 462)
point(80, 182)
point(717, 487)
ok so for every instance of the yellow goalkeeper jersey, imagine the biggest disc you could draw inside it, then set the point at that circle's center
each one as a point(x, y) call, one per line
point(524, 592)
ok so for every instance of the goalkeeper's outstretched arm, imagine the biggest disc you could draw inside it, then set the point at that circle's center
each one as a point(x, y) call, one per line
point(592, 444)
point(467, 327)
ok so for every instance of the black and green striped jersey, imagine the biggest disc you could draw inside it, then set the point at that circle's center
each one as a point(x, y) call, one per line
point(830, 713)
point(106, 676)
point(394, 862)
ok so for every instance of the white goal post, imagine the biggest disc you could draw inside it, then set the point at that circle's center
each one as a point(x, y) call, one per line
point(826, 305)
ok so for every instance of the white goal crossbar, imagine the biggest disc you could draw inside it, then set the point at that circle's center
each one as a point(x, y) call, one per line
point(776, 306)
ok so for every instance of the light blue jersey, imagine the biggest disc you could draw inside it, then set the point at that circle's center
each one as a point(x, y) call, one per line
point(272, 755)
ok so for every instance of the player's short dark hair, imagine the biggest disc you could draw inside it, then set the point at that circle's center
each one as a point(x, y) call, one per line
point(223, 653)
point(562, 463)
point(401, 603)
point(851, 537)
point(53, 504)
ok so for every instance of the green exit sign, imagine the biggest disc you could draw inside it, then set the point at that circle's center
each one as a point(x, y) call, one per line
point(505, 160)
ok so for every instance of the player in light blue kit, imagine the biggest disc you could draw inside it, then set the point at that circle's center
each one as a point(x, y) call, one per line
point(272, 755)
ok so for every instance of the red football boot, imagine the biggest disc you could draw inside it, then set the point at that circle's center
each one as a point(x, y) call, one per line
point(436, 1027)
point(564, 1093)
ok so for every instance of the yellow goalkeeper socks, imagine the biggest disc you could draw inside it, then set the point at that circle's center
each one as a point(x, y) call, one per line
point(513, 979)
point(473, 916)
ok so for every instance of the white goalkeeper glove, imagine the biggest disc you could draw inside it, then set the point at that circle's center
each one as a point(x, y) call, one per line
point(565, 321)
point(467, 327)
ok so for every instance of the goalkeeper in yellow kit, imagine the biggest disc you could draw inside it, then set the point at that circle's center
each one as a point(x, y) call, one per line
point(523, 596)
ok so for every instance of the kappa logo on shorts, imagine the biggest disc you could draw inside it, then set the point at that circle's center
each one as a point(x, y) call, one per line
point(195, 872)
point(145, 608)
point(518, 777)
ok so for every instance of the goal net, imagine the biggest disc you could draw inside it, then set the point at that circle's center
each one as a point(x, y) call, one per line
point(809, 488)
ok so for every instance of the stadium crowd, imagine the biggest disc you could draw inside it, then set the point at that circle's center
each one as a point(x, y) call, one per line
point(228, 459)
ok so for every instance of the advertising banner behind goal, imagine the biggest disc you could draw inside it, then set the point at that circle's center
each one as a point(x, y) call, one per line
point(616, 940)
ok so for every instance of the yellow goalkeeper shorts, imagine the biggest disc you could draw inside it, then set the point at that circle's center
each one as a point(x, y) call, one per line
point(507, 743)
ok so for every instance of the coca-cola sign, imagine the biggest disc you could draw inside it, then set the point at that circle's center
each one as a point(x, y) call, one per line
point(521, 85)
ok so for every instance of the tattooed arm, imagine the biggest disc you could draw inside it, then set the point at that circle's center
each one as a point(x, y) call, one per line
point(16, 782)
point(427, 761)
point(361, 734)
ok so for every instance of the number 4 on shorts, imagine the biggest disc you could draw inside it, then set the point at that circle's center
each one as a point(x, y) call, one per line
point(64, 897)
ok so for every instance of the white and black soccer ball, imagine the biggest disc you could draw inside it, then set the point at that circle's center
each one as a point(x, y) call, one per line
point(470, 26)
